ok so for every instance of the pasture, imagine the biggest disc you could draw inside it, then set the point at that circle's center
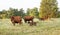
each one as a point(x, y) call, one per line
point(47, 27)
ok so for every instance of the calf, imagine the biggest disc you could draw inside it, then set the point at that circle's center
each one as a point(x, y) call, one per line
point(32, 23)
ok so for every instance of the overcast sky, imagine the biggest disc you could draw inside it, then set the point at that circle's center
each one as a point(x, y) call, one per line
point(6, 4)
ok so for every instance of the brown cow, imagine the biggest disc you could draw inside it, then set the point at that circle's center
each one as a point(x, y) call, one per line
point(32, 23)
point(16, 19)
point(28, 18)
point(44, 18)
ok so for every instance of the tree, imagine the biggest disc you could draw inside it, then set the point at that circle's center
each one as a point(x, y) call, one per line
point(21, 12)
point(28, 11)
point(58, 14)
point(3, 14)
point(33, 12)
point(16, 12)
point(48, 9)
point(10, 12)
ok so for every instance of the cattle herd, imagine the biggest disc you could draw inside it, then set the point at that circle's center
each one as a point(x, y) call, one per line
point(29, 19)
point(18, 20)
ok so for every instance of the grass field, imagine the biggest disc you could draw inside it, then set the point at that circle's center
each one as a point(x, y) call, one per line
point(48, 27)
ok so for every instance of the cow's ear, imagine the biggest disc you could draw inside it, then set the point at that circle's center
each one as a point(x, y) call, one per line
point(12, 17)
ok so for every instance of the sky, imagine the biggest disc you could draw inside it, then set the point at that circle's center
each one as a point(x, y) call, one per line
point(6, 4)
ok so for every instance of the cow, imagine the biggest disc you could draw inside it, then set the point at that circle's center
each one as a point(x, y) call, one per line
point(32, 23)
point(44, 18)
point(28, 18)
point(16, 19)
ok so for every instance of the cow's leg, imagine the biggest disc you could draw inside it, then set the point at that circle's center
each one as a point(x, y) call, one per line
point(20, 23)
point(13, 23)
point(31, 20)
point(34, 23)
point(31, 23)
point(28, 21)
point(25, 21)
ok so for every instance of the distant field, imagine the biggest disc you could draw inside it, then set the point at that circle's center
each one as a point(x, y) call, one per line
point(48, 27)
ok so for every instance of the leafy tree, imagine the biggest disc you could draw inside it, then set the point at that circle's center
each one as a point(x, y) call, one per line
point(15, 12)
point(48, 9)
point(33, 12)
point(10, 12)
point(58, 14)
point(3, 14)
point(28, 11)
point(21, 12)
point(36, 13)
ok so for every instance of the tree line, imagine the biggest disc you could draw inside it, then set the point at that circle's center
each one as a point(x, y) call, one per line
point(20, 12)
point(47, 9)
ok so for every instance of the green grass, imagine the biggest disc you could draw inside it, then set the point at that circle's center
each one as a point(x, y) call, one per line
point(48, 27)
